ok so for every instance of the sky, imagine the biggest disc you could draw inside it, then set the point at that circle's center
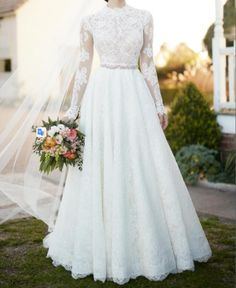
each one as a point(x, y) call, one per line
point(179, 20)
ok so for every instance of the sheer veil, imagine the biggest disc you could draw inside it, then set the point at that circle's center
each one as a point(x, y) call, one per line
point(39, 87)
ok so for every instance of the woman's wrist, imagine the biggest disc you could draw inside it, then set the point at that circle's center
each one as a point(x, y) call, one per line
point(72, 112)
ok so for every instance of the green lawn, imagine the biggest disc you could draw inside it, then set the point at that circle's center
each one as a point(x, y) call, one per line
point(23, 262)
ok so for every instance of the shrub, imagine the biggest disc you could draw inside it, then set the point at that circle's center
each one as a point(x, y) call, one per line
point(230, 164)
point(191, 121)
point(168, 95)
point(227, 175)
point(197, 162)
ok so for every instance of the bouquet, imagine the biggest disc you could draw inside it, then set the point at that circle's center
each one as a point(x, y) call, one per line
point(58, 143)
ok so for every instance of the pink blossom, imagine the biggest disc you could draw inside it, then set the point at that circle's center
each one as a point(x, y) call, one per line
point(64, 132)
point(72, 134)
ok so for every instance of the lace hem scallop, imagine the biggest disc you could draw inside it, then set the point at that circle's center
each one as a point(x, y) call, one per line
point(57, 262)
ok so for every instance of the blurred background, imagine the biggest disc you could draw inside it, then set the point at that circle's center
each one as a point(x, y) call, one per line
point(194, 47)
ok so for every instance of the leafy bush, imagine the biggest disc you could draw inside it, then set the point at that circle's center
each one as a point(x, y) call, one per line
point(191, 121)
point(228, 173)
point(197, 162)
point(168, 95)
point(230, 164)
point(229, 24)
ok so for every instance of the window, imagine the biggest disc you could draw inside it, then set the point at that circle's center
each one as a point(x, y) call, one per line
point(5, 65)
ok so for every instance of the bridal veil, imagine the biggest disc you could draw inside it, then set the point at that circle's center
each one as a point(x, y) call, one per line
point(40, 87)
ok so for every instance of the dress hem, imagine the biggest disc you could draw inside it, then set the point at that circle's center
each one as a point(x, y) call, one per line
point(160, 277)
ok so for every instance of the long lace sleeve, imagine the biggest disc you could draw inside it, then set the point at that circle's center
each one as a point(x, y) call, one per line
point(147, 65)
point(84, 68)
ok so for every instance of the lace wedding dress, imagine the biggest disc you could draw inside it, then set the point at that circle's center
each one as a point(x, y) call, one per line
point(128, 212)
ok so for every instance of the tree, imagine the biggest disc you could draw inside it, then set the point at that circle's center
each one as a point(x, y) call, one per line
point(229, 25)
point(191, 121)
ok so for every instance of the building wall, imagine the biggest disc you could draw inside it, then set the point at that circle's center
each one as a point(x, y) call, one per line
point(35, 22)
point(8, 39)
point(228, 145)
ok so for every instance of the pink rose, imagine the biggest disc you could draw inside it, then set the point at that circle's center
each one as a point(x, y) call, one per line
point(72, 134)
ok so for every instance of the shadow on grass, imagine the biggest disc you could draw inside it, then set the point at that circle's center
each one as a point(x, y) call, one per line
point(23, 262)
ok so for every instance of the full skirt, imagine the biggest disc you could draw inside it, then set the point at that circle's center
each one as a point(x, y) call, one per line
point(128, 213)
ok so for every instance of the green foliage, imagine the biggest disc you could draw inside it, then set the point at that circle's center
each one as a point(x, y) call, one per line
point(168, 95)
point(191, 121)
point(229, 15)
point(229, 23)
point(164, 71)
point(227, 175)
point(207, 41)
point(176, 59)
point(230, 163)
point(50, 123)
point(197, 162)
point(181, 56)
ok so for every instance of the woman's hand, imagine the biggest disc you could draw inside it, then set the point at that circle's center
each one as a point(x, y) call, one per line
point(72, 114)
point(163, 120)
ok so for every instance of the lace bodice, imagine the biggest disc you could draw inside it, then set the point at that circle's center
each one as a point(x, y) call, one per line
point(122, 37)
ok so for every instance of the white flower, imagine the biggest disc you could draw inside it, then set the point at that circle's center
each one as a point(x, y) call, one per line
point(61, 126)
point(39, 140)
point(59, 139)
point(53, 130)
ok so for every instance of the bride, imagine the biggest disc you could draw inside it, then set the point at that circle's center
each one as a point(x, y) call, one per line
point(128, 213)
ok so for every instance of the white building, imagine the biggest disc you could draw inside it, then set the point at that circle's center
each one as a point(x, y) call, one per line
point(224, 81)
point(25, 27)
point(8, 36)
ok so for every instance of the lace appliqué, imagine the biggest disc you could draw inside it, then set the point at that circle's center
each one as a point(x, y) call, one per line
point(118, 35)
point(149, 73)
point(81, 78)
point(121, 37)
point(84, 68)
point(84, 55)
point(73, 112)
point(148, 51)
point(147, 64)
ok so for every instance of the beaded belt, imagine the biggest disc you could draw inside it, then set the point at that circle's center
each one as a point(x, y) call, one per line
point(117, 66)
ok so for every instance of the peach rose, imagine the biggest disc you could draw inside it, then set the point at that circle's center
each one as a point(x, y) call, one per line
point(69, 155)
point(50, 142)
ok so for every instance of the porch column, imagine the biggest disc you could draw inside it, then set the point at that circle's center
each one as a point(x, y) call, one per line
point(219, 59)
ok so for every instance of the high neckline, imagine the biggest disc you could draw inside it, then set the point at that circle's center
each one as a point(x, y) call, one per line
point(117, 8)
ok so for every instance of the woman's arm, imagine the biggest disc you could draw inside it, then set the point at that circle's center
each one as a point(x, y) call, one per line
point(83, 71)
point(147, 65)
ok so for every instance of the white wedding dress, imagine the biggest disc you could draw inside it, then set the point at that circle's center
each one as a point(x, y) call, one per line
point(128, 212)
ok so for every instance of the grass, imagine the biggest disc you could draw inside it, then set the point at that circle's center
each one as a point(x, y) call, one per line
point(23, 262)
